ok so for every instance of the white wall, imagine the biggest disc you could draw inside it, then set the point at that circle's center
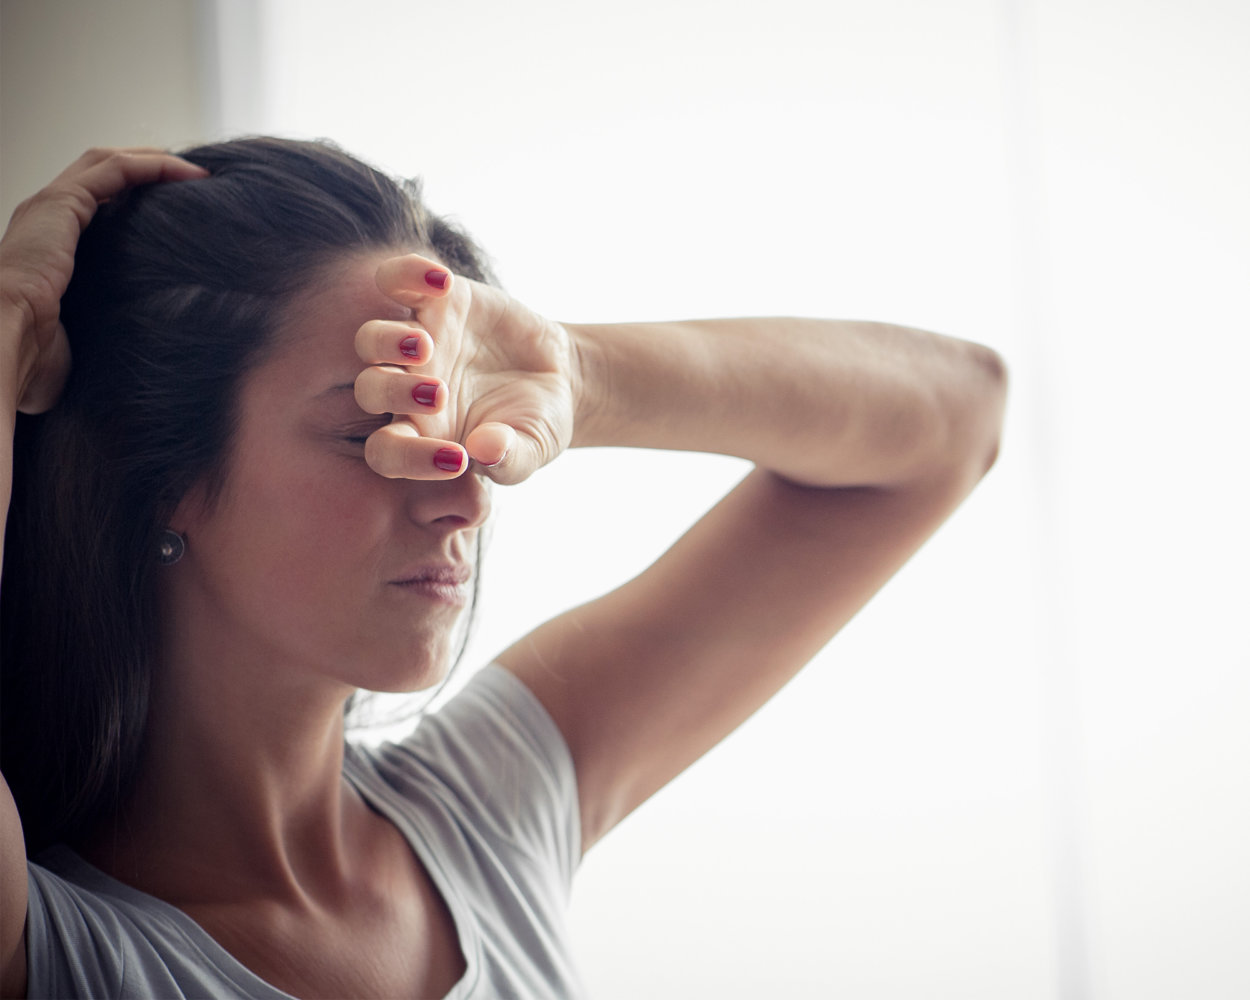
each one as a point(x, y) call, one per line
point(1022, 771)
point(75, 74)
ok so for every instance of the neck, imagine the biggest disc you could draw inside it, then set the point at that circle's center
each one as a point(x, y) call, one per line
point(239, 793)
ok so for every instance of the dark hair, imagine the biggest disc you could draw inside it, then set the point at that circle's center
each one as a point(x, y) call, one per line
point(177, 290)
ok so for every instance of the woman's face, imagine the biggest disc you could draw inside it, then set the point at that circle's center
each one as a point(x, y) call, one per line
point(310, 563)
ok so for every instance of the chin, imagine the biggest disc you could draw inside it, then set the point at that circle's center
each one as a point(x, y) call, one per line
point(396, 701)
point(410, 677)
point(415, 660)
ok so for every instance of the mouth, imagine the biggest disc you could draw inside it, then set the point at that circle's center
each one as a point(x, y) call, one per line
point(447, 584)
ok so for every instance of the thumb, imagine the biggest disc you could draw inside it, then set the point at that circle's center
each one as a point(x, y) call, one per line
point(504, 455)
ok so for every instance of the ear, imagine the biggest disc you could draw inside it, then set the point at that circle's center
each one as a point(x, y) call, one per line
point(192, 509)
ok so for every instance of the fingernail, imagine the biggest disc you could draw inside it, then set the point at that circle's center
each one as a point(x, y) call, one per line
point(425, 394)
point(498, 461)
point(410, 347)
point(437, 279)
point(449, 459)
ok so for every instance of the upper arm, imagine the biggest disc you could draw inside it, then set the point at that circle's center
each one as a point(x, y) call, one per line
point(646, 679)
point(12, 899)
point(12, 844)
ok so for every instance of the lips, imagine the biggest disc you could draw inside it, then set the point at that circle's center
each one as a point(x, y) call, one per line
point(446, 584)
point(453, 575)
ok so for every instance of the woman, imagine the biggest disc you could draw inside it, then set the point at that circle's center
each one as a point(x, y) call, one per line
point(261, 490)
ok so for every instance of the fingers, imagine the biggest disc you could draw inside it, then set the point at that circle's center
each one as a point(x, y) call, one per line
point(492, 445)
point(106, 172)
point(385, 389)
point(504, 454)
point(412, 279)
point(390, 342)
point(99, 174)
point(392, 349)
point(398, 451)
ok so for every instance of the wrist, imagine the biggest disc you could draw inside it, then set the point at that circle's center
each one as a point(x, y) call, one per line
point(640, 385)
point(589, 378)
point(15, 321)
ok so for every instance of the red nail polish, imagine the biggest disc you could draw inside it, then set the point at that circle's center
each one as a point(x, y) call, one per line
point(437, 279)
point(425, 394)
point(449, 459)
point(410, 347)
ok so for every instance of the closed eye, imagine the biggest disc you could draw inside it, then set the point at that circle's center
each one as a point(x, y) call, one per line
point(357, 433)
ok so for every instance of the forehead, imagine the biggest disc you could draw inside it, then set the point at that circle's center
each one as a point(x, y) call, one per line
point(315, 337)
point(344, 291)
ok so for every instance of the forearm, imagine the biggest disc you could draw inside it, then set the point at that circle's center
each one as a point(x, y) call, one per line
point(11, 322)
point(824, 403)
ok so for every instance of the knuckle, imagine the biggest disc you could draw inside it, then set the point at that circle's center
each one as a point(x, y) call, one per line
point(363, 338)
point(379, 454)
point(366, 392)
point(62, 196)
point(399, 395)
point(374, 456)
point(98, 154)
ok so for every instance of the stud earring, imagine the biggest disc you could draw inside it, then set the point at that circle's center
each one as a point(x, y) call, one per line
point(172, 546)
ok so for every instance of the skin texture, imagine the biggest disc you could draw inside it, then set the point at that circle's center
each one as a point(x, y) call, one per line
point(298, 562)
point(298, 588)
point(334, 559)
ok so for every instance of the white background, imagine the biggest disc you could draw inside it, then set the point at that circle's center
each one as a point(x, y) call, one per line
point(1024, 770)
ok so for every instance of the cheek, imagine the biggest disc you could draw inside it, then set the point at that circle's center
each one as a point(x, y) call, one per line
point(293, 528)
point(333, 523)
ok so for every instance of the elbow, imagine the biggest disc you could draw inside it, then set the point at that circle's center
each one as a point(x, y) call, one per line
point(987, 401)
point(967, 436)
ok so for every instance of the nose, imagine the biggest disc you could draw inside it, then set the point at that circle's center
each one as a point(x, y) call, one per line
point(452, 504)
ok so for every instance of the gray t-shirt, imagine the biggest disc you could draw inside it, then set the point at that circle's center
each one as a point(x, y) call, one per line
point(483, 790)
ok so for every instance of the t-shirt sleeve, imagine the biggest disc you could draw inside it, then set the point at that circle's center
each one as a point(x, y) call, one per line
point(495, 746)
point(82, 942)
point(69, 940)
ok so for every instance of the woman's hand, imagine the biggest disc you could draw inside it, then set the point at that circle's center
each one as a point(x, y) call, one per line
point(474, 373)
point(37, 259)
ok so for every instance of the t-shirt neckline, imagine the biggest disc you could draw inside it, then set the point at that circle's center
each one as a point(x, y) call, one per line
point(69, 864)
